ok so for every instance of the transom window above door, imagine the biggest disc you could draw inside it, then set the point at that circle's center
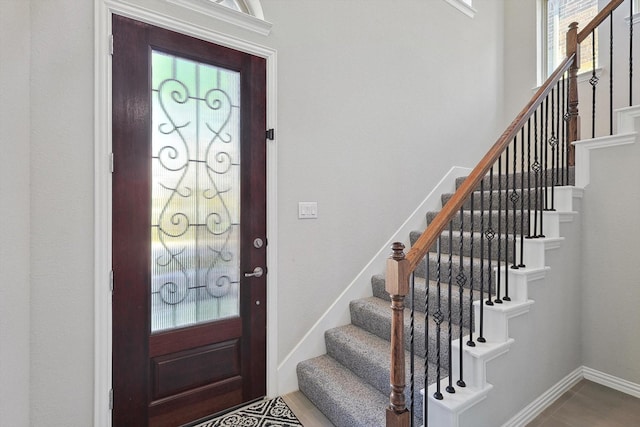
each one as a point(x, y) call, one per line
point(243, 13)
point(233, 4)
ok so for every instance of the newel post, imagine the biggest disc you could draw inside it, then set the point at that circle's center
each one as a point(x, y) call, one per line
point(573, 118)
point(397, 285)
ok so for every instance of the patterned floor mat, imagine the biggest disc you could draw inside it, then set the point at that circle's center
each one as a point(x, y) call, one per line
point(266, 413)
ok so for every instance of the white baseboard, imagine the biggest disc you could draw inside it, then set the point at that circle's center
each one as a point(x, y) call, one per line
point(610, 381)
point(312, 344)
point(535, 408)
point(532, 410)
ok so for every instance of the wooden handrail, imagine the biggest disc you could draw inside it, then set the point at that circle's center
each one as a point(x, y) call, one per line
point(426, 240)
point(598, 19)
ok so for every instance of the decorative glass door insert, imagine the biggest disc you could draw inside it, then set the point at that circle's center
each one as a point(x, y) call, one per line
point(195, 215)
point(189, 330)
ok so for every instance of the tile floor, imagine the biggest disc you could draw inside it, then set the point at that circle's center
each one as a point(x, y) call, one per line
point(306, 411)
point(586, 404)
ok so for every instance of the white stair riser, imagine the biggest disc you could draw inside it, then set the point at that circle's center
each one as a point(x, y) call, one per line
point(565, 198)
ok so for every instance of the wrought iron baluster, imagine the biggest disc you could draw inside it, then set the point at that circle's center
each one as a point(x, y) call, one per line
point(593, 81)
point(470, 342)
point(499, 241)
point(461, 279)
point(528, 179)
point(553, 141)
point(557, 134)
point(522, 189)
point(557, 103)
point(515, 197)
point(506, 222)
point(490, 234)
point(481, 329)
point(450, 388)
point(543, 167)
point(412, 357)
point(545, 158)
point(631, 52)
point(543, 173)
point(427, 311)
point(438, 317)
point(565, 118)
point(611, 72)
point(536, 170)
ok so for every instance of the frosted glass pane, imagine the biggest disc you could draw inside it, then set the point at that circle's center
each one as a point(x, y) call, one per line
point(195, 218)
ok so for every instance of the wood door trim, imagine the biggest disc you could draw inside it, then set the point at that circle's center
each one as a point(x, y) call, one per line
point(130, 311)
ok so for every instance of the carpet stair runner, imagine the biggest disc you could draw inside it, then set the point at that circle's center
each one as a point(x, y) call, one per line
point(350, 384)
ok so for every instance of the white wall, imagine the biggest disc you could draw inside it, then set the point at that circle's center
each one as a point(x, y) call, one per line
point(14, 213)
point(611, 288)
point(611, 272)
point(520, 57)
point(61, 213)
point(373, 96)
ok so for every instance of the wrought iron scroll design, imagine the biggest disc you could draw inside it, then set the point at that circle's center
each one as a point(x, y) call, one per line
point(195, 225)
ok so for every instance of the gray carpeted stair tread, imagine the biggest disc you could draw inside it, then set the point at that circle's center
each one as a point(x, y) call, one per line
point(478, 266)
point(374, 315)
point(378, 286)
point(476, 221)
point(508, 179)
point(350, 384)
point(504, 250)
point(340, 394)
point(497, 197)
point(367, 356)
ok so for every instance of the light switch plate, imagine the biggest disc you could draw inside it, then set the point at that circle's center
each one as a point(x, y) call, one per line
point(307, 210)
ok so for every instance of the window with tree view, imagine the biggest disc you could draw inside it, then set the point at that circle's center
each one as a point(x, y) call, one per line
point(558, 15)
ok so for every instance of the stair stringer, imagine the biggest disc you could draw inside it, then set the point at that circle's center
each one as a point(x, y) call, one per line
point(452, 411)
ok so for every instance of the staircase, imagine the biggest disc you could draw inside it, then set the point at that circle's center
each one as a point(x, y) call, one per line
point(472, 270)
point(350, 384)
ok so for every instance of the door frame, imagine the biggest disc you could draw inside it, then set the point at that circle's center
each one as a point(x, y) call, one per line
point(104, 9)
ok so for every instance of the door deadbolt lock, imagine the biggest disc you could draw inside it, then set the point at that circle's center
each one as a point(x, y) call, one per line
point(258, 243)
point(257, 272)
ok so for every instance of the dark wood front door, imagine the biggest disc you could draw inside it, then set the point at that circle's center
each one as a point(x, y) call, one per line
point(189, 227)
